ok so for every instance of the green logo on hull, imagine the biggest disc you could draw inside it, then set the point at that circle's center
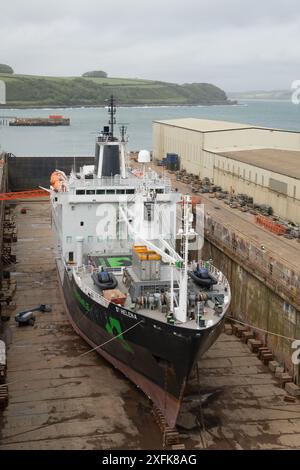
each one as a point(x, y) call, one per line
point(83, 303)
point(113, 327)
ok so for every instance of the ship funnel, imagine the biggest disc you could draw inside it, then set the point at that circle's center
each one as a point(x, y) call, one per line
point(107, 159)
point(110, 151)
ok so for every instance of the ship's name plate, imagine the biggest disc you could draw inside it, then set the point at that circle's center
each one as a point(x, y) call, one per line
point(125, 312)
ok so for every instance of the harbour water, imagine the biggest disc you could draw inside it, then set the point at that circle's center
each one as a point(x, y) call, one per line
point(77, 138)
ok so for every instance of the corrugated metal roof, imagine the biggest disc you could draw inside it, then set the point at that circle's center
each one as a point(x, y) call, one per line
point(205, 125)
point(284, 162)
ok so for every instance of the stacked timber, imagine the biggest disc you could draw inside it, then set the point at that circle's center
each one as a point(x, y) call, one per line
point(3, 387)
point(7, 292)
point(9, 237)
point(3, 396)
point(2, 362)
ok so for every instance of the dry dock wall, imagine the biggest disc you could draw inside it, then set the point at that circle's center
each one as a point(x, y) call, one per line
point(265, 293)
point(3, 187)
point(32, 172)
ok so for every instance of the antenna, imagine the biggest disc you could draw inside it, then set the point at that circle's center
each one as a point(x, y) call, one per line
point(123, 132)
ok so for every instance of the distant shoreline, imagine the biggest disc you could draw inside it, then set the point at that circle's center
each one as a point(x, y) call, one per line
point(278, 100)
point(12, 107)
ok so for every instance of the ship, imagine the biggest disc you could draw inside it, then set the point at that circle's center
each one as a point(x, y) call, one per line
point(142, 304)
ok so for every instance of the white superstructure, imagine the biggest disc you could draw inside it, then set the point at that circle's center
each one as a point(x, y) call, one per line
point(107, 210)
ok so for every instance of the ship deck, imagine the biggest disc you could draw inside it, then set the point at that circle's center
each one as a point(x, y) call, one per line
point(210, 316)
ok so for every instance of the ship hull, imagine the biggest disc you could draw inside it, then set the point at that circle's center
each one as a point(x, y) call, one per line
point(156, 356)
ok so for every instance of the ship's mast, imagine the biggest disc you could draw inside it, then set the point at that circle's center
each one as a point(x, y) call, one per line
point(112, 112)
point(186, 232)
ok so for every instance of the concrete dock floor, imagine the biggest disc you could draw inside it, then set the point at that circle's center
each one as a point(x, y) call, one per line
point(58, 400)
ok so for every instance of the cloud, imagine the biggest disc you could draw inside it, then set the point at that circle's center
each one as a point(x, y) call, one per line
point(237, 45)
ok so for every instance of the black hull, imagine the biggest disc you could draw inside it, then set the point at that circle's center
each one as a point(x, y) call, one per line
point(156, 356)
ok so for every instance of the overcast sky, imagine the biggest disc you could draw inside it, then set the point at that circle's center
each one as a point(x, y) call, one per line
point(235, 44)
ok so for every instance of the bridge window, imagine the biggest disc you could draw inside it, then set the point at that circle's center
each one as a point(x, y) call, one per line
point(100, 191)
point(90, 191)
point(80, 191)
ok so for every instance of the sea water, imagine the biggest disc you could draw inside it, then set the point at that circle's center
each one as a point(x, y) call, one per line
point(79, 137)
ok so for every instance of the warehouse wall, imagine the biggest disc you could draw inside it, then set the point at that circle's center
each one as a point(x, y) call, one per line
point(192, 147)
point(186, 143)
point(254, 181)
point(189, 143)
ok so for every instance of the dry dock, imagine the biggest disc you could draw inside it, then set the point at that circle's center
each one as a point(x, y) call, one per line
point(60, 398)
point(57, 399)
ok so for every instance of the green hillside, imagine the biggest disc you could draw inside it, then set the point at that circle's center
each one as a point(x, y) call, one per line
point(33, 90)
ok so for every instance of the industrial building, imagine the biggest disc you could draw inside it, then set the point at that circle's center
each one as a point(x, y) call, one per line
point(261, 162)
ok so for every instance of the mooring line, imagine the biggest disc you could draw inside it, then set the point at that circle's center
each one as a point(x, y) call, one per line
point(261, 329)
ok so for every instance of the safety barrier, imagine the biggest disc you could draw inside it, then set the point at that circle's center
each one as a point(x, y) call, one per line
point(270, 225)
